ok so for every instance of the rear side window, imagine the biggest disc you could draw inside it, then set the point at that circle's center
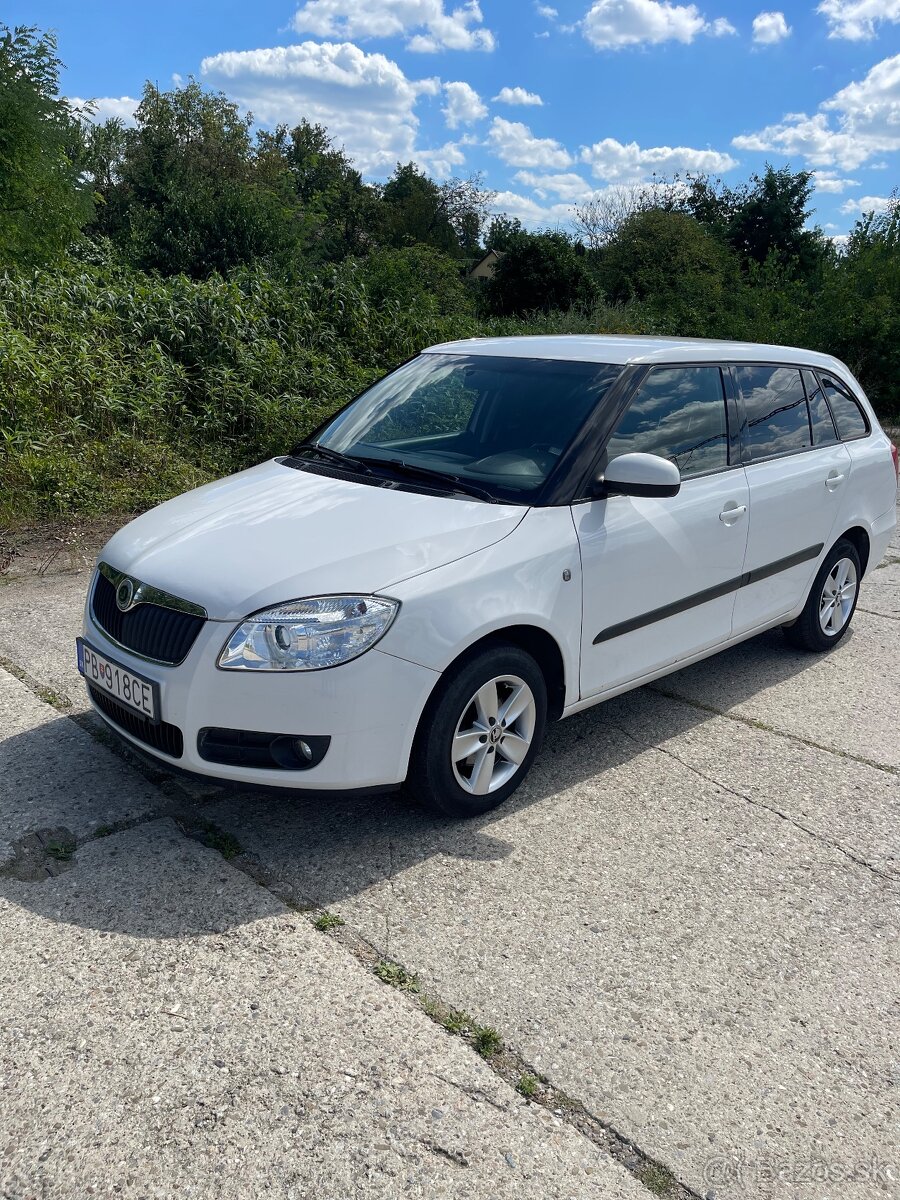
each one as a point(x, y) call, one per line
point(848, 416)
point(678, 413)
point(776, 415)
point(824, 433)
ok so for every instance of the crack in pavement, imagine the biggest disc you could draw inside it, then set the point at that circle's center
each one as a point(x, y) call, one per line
point(870, 612)
point(890, 876)
point(754, 723)
point(504, 1062)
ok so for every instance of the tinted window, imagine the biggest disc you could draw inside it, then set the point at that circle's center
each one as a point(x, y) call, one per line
point(847, 414)
point(500, 421)
point(819, 413)
point(777, 419)
point(678, 413)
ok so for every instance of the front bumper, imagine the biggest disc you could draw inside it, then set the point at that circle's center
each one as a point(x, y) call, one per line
point(369, 708)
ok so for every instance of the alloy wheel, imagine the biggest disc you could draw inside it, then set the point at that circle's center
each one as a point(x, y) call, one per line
point(493, 734)
point(838, 596)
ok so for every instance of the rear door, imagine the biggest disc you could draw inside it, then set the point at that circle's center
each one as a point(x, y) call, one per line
point(659, 575)
point(798, 474)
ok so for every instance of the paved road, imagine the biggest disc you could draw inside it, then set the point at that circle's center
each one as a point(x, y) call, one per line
point(686, 920)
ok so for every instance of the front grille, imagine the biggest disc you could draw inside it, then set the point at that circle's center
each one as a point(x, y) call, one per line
point(165, 738)
point(164, 635)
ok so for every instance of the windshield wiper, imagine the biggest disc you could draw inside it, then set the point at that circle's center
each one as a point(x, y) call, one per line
point(335, 456)
point(456, 482)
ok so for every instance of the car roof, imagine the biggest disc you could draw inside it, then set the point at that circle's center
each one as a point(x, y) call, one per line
point(624, 349)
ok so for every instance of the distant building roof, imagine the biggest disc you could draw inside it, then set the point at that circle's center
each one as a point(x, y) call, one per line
point(484, 268)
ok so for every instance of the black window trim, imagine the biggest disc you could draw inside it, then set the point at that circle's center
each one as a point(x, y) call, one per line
point(857, 437)
point(732, 425)
point(801, 367)
point(812, 433)
point(747, 457)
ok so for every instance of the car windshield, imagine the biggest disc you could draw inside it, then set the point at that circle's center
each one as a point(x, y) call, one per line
point(496, 423)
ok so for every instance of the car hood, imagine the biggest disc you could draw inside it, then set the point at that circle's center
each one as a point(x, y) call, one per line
point(274, 533)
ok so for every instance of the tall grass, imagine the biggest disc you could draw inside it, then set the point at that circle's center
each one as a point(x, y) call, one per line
point(119, 388)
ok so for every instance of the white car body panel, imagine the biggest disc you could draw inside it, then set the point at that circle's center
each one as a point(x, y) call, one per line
point(464, 570)
point(273, 533)
point(640, 555)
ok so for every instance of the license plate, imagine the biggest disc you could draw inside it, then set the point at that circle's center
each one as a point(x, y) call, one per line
point(128, 688)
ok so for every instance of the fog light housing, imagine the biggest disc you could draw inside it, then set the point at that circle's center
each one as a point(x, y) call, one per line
point(270, 751)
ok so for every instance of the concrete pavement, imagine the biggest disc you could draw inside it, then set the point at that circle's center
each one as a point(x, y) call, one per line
point(687, 919)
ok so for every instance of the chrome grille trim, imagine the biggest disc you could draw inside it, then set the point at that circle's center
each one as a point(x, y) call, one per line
point(145, 593)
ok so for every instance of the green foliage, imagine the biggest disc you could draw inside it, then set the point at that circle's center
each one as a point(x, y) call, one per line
point(195, 202)
point(43, 201)
point(542, 271)
point(856, 314)
point(118, 389)
point(769, 220)
point(232, 289)
point(666, 261)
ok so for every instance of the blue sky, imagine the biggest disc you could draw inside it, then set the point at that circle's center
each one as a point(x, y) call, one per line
point(554, 102)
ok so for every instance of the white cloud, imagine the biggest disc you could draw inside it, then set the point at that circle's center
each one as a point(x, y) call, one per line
point(866, 123)
point(612, 24)
point(105, 107)
point(517, 146)
point(620, 163)
point(567, 186)
point(545, 11)
point(828, 181)
point(463, 106)
point(769, 28)
point(365, 100)
point(517, 95)
point(441, 162)
point(531, 213)
point(855, 20)
point(460, 29)
point(868, 204)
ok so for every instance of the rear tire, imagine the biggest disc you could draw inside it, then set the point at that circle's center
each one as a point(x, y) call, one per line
point(831, 602)
point(480, 733)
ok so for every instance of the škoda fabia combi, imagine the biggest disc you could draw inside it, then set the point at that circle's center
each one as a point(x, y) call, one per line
point(499, 533)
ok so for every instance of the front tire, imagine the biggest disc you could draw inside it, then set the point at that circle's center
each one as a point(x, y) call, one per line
point(831, 602)
point(480, 733)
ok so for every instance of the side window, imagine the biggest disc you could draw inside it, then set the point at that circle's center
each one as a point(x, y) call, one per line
point(678, 413)
point(848, 415)
point(776, 415)
point(823, 429)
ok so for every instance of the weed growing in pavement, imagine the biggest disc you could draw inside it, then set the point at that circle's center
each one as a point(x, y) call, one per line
point(396, 975)
point(327, 921)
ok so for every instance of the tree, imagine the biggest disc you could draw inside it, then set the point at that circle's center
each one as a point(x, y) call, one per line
point(195, 203)
point(502, 232)
point(599, 219)
point(467, 204)
point(856, 314)
point(43, 201)
point(540, 271)
point(670, 263)
point(340, 211)
point(104, 153)
point(769, 218)
point(414, 211)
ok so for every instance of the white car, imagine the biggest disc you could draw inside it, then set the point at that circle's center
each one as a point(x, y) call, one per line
point(500, 532)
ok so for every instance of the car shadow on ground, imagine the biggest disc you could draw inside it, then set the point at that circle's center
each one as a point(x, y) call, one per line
point(333, 847)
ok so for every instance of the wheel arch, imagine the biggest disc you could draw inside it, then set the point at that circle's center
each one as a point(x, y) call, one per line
point(859, 538)
point(541, 645)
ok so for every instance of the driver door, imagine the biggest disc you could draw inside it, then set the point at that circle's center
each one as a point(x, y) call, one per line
point(659, 576)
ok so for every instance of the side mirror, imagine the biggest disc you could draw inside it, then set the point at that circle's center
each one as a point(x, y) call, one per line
point(639, 475)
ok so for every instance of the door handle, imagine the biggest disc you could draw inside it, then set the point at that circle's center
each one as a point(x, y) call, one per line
point(731, 513)
point(834, 480)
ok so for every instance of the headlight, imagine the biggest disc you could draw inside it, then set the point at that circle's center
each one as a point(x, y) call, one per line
point(307, 635)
